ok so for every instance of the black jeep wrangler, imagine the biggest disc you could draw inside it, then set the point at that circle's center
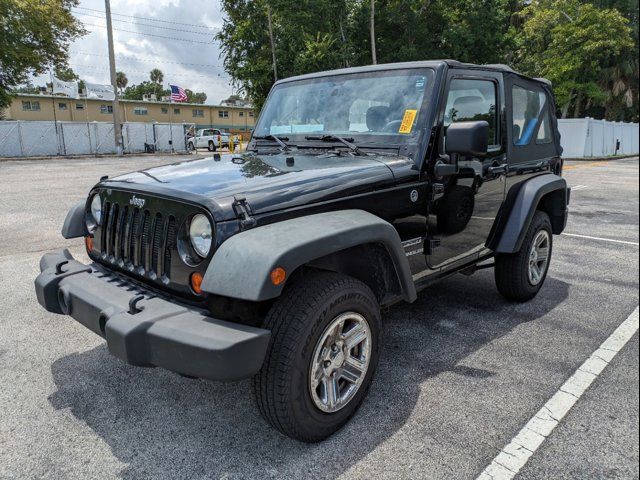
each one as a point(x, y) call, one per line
point(359, 188)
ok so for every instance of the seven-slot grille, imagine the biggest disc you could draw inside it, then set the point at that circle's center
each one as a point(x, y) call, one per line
point(138, 240)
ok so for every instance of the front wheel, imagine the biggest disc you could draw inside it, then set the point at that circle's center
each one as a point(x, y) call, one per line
point(519, 276)
point(324, 348)
point(211, 146)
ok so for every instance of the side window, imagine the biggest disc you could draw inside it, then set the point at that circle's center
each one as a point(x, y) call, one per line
point(529, 112)
point(473, 100)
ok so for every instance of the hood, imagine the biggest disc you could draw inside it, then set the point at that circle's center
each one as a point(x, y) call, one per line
point(268, 182)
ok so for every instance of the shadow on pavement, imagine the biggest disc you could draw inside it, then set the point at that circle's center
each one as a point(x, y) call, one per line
point(163, 425)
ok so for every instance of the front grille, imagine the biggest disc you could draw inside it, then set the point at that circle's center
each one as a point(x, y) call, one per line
point(138, 240)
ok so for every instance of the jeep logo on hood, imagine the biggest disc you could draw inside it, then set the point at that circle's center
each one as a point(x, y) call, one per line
point(137, 202)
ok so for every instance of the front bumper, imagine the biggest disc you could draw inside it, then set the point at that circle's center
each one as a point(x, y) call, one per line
point(144, 329)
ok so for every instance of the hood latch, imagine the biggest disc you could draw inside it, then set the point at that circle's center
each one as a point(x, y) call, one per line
point(243, 211)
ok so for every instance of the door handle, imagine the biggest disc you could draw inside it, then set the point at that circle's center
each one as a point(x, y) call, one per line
point(497, 169)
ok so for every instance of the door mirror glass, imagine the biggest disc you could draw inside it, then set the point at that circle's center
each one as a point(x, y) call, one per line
point(468, 139)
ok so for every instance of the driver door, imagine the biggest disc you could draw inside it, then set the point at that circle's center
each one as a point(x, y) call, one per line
point(462, 218)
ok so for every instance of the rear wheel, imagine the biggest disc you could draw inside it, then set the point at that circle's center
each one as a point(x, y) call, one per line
point(519, 276)
point(325, 340)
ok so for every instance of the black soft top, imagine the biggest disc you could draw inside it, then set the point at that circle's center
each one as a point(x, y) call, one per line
point(435, 64)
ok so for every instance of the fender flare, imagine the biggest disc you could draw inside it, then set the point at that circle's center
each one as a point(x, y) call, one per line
point(74, 226)
point(516, 213)
point(241, 266)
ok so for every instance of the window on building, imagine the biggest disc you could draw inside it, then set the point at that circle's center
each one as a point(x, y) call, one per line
point(164, 110)
point(176, 111)
point(241, 114)
point(251, 114)
point(106, 109)
point(198, 112)
point(31, 106)
point(62, 106)
point(140, 111)
point(79, 106)
point(473, 100)
point(223, 114)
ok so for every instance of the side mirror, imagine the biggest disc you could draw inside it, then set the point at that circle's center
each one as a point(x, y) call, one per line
point(469, 139)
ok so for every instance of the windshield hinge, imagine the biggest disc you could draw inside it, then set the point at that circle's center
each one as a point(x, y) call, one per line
point(243, 211)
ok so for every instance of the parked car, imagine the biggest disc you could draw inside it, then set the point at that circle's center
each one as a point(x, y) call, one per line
point(209, 138)
point(359, 188)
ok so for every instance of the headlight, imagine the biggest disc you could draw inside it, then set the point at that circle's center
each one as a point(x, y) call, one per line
point(96, 208)
point(201, 234)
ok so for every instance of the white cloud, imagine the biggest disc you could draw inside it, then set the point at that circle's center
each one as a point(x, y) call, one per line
point(137, 53)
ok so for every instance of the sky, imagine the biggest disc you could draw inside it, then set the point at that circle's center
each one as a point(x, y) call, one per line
point(190, 58)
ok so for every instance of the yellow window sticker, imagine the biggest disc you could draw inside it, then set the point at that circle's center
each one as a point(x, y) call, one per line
point(407, 121)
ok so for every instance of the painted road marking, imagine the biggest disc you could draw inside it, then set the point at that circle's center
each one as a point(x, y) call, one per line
point(578, 187)
point(600, 239)
point(585, 165)
point(518, 452)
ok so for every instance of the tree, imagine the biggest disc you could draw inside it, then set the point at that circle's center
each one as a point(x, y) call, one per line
point(573, 44)
point(34, 35)
point(121, 81)
point(195, 97)
point(300, 29)
point(66, 74)
point(136, 92)
point(156, 76)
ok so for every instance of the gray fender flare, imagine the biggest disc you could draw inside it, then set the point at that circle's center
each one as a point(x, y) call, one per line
point(241, 267)
point(74, 226)
point(521, 204)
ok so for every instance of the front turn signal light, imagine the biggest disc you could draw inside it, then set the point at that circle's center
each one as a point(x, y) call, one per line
point(196, 282)
point(88, 242)
point(278, 276)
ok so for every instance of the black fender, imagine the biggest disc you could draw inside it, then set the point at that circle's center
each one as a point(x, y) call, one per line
point(547, 192)
point(241, 266)
point(74, 225)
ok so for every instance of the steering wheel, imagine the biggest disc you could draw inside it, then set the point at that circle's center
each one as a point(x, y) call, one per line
point(392, 127)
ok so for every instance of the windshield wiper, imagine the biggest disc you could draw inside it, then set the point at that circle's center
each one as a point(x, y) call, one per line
point(279, 140)
point(335, 138)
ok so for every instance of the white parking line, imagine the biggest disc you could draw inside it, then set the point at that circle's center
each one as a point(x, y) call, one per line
point(578, 187)
point(601, 239)
point(518, 452)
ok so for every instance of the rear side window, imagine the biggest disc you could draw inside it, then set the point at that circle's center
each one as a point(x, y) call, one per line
point(472, 100)
point(530, 116)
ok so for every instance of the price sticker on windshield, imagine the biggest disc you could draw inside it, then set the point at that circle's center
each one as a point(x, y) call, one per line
point(407, 121)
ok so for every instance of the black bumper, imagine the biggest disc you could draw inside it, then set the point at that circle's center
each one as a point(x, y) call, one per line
point(144, 329)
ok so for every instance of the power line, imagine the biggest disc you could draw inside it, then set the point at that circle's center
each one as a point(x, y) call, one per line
point(166, 74)
point(151, 60)
point(151, 19)
point(152, 35)
point(147, 25)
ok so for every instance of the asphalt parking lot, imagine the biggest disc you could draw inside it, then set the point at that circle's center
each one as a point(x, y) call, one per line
point(462, 370)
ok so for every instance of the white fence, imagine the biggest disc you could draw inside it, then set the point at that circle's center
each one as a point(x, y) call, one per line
point(586, 137)
point(46, 138)
point(581, 137)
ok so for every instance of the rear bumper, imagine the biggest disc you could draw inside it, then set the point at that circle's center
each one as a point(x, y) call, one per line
point(150, 331)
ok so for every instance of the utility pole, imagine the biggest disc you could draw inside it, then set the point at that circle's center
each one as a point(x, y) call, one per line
point(117, 132)
point(373, 33)
point(273, 46)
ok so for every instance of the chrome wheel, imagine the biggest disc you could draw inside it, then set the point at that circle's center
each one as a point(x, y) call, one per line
point(539, 257)
point(340, 361)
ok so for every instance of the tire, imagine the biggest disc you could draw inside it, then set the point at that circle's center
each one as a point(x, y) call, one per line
point(455, 210)
point(299, 321)
point(211, 146)
point(512, 271)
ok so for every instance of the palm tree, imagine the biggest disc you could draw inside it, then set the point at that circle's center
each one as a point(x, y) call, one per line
point(156, 76)
point(121, 81)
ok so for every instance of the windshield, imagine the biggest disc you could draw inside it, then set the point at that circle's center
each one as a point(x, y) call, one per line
point(371, 107)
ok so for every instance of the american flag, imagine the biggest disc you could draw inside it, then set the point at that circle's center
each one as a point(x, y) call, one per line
point(178, 94)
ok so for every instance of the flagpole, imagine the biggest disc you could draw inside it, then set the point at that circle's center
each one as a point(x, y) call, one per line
point(55, 118)
point(171, 118)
